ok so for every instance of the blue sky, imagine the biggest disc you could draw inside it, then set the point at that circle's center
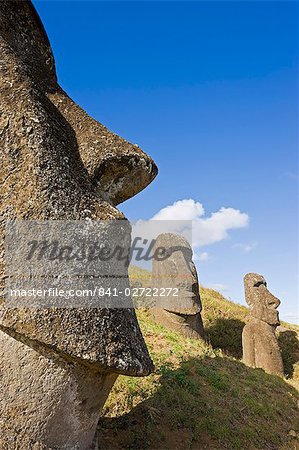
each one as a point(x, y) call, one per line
point(210, 91)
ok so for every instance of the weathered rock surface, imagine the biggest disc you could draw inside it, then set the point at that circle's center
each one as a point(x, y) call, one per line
point(181, 311)
point(57, 365)
point(260, 345)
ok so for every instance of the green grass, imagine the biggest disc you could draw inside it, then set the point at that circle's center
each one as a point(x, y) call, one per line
point(201, 395)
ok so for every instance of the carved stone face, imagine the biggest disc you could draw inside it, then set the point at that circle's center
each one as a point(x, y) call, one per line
point(177, 271)
point(59, 163)
point(263, 304)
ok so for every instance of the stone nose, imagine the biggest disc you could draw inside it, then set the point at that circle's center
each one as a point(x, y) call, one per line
point(116, 167)
point(272, 301)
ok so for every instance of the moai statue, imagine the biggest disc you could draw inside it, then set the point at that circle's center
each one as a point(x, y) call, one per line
point(260, 345)
point(58, 365)
point(176, 275)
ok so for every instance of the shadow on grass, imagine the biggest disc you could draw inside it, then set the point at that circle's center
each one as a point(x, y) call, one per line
point(226, 334)
point(289, 345)
point(207, 403)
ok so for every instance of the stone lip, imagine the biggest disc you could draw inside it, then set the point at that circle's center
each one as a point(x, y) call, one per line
point(115, 345)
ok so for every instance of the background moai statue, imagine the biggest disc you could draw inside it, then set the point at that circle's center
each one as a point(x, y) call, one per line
point(260, 345)
point(57, 365)
point(180, 311)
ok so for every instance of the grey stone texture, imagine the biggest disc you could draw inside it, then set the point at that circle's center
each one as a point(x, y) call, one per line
point(57, 365)
point(260, 345)
point(181, 313)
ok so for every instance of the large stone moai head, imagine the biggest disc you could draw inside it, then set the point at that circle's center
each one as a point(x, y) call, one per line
point(57, 163)
point(263, 304)
point(181, 310)
point(260, 345)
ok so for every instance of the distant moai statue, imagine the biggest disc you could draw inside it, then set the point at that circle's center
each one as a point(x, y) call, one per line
point(260, 345)
point(181, 310)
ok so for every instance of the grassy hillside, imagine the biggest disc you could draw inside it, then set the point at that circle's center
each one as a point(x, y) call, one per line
point(201, 396)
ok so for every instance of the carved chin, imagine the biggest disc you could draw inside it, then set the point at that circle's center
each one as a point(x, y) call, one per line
point(267, 315)
point(272, 318)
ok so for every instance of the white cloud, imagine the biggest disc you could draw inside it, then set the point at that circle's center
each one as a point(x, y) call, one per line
point(187, 218)
point(205, 230)
point(245, 247)
point(181, 210)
